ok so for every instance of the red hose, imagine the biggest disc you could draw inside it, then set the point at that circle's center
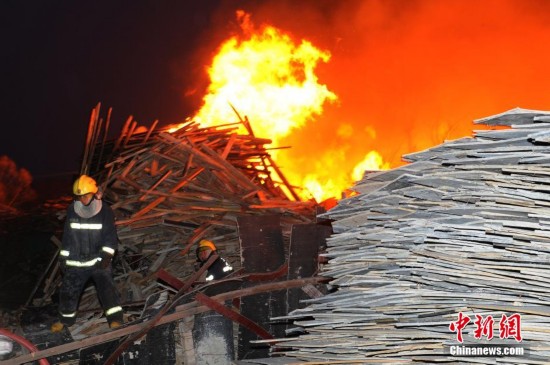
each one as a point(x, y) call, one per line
point(23, 342)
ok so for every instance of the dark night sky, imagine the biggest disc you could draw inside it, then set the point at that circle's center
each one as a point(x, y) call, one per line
point(60, 58)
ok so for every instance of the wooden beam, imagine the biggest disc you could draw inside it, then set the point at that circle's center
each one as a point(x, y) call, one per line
point(232, 315)
point(181, 312)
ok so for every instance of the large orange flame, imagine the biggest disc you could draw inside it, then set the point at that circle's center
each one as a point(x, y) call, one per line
point(267, 76)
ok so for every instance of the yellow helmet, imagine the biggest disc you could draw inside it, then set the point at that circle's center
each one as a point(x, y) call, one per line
point(206, 245)
point(84, 185)
point(203, 246)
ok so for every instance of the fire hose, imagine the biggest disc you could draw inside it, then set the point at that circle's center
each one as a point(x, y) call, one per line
point(23, 342)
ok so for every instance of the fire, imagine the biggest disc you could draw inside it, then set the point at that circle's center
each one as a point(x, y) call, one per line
point(267, 76)
point(372, 161)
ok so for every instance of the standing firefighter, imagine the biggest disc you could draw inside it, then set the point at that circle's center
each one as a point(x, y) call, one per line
point(89, 244)
point(219, 268)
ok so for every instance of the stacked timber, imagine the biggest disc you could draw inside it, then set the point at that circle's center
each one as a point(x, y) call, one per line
point(170, 188)
point(463, 228)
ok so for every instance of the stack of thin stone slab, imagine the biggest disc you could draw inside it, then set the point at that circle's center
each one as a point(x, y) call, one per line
point(463, 228)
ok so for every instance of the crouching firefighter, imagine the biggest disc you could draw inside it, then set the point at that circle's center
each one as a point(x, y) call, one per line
point(88, 246)
point(220, 268)
point(212, 327)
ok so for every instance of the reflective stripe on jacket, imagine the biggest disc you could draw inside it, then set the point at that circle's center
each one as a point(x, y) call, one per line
point(219, 269)
point(84, 239)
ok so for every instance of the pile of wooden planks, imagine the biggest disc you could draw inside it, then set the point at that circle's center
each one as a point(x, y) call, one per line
point(170, 189)
point(464, 228)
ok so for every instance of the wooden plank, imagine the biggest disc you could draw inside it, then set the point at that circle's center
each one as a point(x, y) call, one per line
point(104, 140)
point(170, 279)
point(181, 311)
point(150, 130)
point(161, 199)
point(233, 315)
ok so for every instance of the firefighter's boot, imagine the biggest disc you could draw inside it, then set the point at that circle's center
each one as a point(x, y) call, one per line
point(57, 327)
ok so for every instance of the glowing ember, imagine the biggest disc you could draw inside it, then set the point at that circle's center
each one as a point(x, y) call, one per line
point(269, 78)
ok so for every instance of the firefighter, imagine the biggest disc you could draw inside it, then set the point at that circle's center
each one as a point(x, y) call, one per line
point(220, 267)
point(89, 243)
point(212, 327)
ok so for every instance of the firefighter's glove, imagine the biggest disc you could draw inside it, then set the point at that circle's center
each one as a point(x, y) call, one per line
point(105, 260)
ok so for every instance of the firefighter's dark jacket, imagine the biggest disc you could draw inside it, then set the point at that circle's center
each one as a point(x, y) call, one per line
point(220, 268)
point(86, 239)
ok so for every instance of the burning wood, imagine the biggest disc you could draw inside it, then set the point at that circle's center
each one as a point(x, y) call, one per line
point(197, 181)
point(170, 190)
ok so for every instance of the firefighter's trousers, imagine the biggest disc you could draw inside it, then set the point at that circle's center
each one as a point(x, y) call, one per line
point(74, 282)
